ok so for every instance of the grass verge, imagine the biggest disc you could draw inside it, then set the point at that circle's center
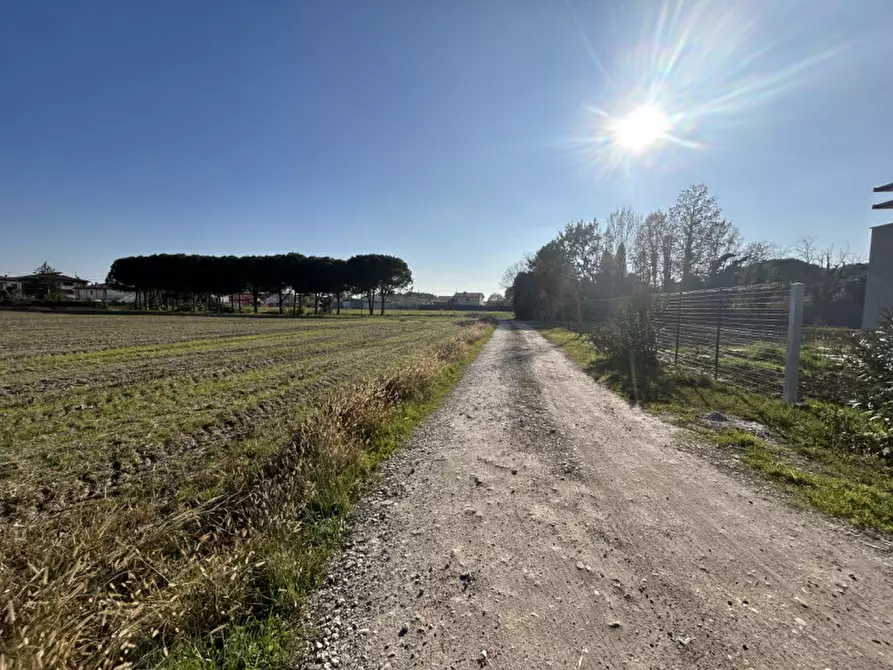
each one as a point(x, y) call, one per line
point(813, 456)
point(219, 582)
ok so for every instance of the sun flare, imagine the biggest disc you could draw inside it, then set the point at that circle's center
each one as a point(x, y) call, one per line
point(640, 129)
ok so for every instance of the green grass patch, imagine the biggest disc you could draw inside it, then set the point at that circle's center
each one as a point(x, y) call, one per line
point(575, 345)
point(817, 458)
point(845, 492)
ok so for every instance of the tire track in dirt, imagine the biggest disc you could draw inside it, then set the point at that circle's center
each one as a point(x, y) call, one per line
point(537, 520)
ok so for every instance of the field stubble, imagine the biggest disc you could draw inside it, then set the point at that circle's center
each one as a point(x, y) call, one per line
point(159, 491)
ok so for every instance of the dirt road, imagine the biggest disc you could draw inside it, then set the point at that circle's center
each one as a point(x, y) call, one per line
point(537, 521)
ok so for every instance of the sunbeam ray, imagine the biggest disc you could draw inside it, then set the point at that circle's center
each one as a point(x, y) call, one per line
point(695, 68)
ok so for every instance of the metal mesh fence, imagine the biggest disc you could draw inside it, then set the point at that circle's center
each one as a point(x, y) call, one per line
point(737, 335)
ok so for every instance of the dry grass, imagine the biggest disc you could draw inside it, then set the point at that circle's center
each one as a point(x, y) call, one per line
point(152, 574)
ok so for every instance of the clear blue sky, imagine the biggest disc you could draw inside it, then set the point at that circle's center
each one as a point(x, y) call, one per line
point(456, 134)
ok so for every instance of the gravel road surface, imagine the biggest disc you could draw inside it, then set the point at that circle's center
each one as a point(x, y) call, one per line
point(538, 521)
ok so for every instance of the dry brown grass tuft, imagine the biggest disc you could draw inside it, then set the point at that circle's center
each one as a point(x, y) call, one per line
point(121, 581)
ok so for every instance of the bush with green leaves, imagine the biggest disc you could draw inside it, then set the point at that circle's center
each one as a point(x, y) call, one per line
point(629, 340)
point(871, 363)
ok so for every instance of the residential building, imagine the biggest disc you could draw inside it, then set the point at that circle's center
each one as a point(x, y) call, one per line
point(10, 285)
point(409, 300)
point(355, 302)
point(468, 298)
point(272, 300)
point(51, 285)
point(879, 282)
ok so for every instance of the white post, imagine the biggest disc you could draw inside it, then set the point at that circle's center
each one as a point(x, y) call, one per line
point(795, 334)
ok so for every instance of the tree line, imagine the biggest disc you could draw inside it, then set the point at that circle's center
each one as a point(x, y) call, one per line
point(175, 281)
point(688, 246)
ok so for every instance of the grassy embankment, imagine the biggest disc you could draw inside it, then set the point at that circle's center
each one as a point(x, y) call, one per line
point(173, 487)
point(812, 457)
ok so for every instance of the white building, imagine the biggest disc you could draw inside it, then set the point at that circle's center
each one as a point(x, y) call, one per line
point(10, 284)
point(272, 300)
point(468, 298)
point(103, 293)
point(52, 285)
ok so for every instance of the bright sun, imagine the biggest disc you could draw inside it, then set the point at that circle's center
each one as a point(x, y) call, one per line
point(640, 129)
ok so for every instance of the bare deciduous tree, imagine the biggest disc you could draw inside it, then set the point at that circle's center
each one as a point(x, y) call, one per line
point(703, 236)
point(653, 250)
point(722, 242)
point(758, 252)
point(513, 270)
point(806, 250)
point(668, 242)
point(621, 227)
point(846, 256)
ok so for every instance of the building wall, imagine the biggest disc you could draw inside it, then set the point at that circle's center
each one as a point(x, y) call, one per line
point(89, 293)
point(11, 286)
point(113, 295)
point(455, 306)
point(69, 290)
point(103, 294)
point(879, 283)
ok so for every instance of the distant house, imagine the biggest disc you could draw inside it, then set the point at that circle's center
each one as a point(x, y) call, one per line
point(423, 298)
point(272, 300)
point(10, 285)
point(360, 302)
point(468, 298)
point(103, 293)
point(50, 285)
point(409, 300)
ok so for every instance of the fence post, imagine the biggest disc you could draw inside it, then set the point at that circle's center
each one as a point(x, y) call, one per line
point(678, 324)
point(718, 331)
point(795, 333)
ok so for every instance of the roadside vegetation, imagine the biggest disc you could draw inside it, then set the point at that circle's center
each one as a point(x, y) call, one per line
point(651, 304)
point(690, 246)
point(833, 455)
point(173, 486)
